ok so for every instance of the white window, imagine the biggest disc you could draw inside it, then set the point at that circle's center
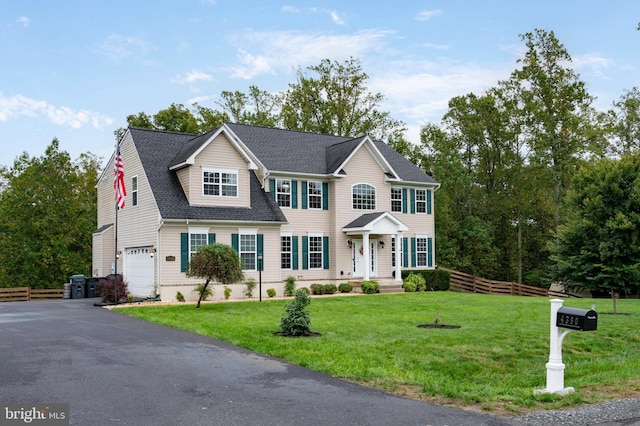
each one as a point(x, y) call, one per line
point(248, 248)
point(421, 200)
point(198, 237)
point(364, 197)
point(315, 252)
point(220, 182)
point(283, 192)
point(134, 190)
point(285, 251)
point(396, 200)
point(421, 251)
point(314, 193)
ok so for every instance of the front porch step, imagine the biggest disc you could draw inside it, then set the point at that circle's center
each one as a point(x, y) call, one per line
point(386, 286)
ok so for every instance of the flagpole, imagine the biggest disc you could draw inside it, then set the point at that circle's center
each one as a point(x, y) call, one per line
point(115, 269)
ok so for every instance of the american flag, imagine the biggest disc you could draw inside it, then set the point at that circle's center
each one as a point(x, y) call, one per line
point(118, 180)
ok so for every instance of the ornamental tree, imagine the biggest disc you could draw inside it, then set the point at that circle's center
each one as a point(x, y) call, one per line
point(215, 262)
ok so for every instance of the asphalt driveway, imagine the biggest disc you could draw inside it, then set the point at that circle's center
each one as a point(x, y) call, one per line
point(113, 369)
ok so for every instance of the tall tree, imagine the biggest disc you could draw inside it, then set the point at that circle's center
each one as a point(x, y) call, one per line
point(624, 123)
point(48, 215)
point(336, 101)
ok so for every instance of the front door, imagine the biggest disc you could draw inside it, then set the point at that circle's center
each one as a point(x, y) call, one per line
point(359, 262)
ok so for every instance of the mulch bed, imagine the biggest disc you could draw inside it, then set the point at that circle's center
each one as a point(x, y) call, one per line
point(283, 334)
point(438, 326)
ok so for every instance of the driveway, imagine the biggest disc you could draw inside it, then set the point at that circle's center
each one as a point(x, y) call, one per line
point(113, 369)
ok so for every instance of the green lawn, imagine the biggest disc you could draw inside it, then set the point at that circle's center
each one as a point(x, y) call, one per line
point(494, 361)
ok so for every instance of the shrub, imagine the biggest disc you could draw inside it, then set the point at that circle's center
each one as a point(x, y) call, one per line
point(208, 292)
point(369, 286)
point(271, 292)
point(414, 282)
point(317, 289)
point(251, 285)
point(330, 288)
point(297, 322)
point(227, 292)
point(290, 285)
point(179, 297)
point(306, 290)
point(106, 286)
point(345, 288)
point(438, 280)
point(130, 298)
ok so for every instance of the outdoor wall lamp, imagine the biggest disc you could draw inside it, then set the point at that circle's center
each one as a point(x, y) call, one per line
point(349, 243)
point(381, 244)
point(118, 254)
point(152, 252)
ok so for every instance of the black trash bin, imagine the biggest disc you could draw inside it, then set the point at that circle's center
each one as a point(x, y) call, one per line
point(92, 287)
point(78, 284)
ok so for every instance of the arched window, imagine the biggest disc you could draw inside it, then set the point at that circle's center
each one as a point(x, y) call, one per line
point(363, 196)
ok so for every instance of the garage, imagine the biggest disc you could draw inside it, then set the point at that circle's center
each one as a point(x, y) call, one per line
point(138, 271)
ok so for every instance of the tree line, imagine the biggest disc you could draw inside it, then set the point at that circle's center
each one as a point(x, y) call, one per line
point(513, 163)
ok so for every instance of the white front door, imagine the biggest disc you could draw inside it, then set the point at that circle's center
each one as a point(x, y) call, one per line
point(359, 262)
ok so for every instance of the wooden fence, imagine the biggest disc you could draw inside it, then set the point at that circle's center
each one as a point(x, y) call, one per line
point(468, 283)
point(21, 294)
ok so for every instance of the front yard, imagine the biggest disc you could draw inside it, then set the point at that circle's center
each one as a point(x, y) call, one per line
point(492, 362)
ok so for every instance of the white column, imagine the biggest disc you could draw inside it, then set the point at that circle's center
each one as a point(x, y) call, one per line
point(365, 254)
point(398, 257)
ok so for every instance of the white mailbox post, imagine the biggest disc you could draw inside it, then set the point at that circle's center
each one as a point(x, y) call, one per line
point(571, 319)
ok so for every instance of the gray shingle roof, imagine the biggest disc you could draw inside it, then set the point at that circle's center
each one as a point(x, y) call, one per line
point(363, 220)
point(157, 150)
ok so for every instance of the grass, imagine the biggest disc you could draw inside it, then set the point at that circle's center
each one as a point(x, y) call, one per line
point(493, 362)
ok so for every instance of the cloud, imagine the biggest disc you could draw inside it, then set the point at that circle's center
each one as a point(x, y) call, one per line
point(199, 99)
point(192, 77)
point(593, 64)
point(21, 106)
point(436, 46)
point(425, 15)
point(273, 52)
point(290, 9)
point(117, 47)
point(335, 16)
point(23, 20)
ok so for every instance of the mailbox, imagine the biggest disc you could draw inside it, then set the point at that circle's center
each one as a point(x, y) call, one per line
point(577, 319)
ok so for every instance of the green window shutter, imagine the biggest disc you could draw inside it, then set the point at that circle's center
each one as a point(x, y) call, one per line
point(212, 238)
point(405, 251)
point(404, 200)
point(413, 202)
point(325, 196)
point(294, 252)
point(234, 242)
point(428, 201)
point(272, 188)
point(429, 252)
point(184, 251)
point(413, 252)
point(325, 252)
point(260, 244)
point(305, 252)
point(305, 188)
point(294, 194)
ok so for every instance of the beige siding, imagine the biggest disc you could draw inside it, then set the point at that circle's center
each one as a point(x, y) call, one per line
point(220, 153)
point(183, 177)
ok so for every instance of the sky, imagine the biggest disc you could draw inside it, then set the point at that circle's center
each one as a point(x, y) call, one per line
point(75, 69)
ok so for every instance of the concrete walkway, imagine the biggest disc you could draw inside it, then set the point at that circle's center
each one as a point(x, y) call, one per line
point(117, 370)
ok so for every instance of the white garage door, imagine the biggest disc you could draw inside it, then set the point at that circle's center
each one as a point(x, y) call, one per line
point(138, 271)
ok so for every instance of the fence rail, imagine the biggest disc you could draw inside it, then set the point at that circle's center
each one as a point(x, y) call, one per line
point(468, 283)
point(23, 294)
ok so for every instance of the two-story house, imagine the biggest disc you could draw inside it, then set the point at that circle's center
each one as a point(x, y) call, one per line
point(321, 208)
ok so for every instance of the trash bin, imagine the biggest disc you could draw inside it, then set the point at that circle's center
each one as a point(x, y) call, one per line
point(92, 287)
point(78, 284)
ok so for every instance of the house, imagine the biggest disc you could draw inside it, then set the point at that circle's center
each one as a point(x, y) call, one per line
point(321, 208)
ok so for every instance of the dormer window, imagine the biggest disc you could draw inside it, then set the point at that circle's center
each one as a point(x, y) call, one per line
point(220, 182)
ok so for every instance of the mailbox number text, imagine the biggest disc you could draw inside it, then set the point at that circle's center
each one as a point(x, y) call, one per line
point(568, 320)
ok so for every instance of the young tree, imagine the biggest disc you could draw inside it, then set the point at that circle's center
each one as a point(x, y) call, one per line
point(598, 248)
point(624, 123)
point(215, 262)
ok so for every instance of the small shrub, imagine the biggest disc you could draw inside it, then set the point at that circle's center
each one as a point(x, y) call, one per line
point(297, 322)
point(414, 282)
point(438, 280)
point(130, 298)
point(179, 297)
point(369, 286)
point(306, 290)
point(208, 292)
point(227, 292)
point(345, 288)
point(271, 292)
point(330, 288)
point(290, 285)
point(251, 285)
point(106, 286)
point(317, 289)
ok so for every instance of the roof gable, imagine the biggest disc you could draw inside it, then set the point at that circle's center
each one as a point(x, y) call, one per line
point(376, 223)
